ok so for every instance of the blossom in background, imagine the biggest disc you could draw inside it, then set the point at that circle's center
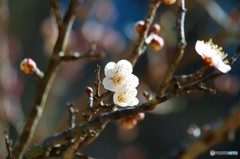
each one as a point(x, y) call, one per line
point(119, 76)
point(212, 55)
point(122, 82)
point(126, 98)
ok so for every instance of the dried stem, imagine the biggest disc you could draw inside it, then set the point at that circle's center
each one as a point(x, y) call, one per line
point(140, 47)
point(98, 81)
point(8, 143)
point(56, 12)
point(180, 52)
point(72, 114)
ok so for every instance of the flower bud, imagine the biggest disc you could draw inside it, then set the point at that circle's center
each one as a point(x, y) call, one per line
point(89, 90)
point(28, 66)
point(128, 123)
point(155, 28)
point(168, 2)
point(140, 26)
point(139, 116)
point(155, 42)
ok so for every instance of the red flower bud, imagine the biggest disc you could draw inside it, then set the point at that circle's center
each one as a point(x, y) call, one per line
point(89, 90)
point(139, 116)
point(129, 123)
point(155, 28)
point(140, 26)
point(155, 42)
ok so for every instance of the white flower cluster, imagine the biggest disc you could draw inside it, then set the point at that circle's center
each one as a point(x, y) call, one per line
point(212, 55)
point(122, 82)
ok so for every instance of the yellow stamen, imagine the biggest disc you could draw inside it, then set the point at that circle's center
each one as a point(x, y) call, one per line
point(117, 80)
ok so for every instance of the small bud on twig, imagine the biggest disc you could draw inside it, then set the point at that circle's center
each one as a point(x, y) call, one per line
point(155, 42)
point(29, 66)
point(140, 26)
point(155, 28)
point(89, 90)
point(129, 123)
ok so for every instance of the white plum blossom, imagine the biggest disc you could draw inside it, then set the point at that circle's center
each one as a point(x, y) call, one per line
point(212, 55)
point(122, 82)
point(126, 98)
point(119, 76)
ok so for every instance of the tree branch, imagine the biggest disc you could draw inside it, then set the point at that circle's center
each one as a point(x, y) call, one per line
point(44, 85)
point(98, 122)
point(72, 149)
point(181, 48)
point(140, 47)
point(56, 12)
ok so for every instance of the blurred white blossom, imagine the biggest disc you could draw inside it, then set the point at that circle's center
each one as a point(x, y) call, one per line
point(212, 55)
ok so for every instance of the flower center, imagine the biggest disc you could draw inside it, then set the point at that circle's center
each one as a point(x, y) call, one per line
point(208, 61)
point(121, 97)
point(117, 80)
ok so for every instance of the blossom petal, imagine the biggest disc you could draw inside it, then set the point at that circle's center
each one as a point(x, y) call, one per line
point(224, 68)
point(126, 98)
point(109, 69)
point(133, 102)
point(203, 49)
point(221, 66)
point(108, 84)
point(125, 66)
point(132, 80)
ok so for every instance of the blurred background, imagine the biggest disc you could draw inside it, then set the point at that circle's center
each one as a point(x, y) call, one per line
point(27, 29)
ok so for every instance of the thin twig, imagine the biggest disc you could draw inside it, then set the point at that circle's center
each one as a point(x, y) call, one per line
point(98, 81)
point(8, 143)
point(72, 114)
point(140, 47)
point(71, 11)
point(91, 136)
point(235, 56)
point(105, 94)
point(181, 48)
point(78, 56)
point(56, 12)
point(190, 77)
